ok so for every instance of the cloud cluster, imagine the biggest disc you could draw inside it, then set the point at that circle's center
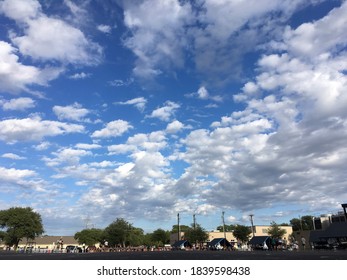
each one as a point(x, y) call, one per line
point(212, 35)
point(34, 129)
point(283, 148)
point(45, 39)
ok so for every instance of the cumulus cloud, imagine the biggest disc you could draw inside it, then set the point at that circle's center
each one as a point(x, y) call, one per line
point(44, 39)
point(203, 94)
point(67, 156)
point(139, 103)
point(166, 112)
point(74, 112)
point(13, 180)
point(313, 39)
point(215, 46)
point(48, 38)
point(287, 144)
point(157, 34)
point(34, 129)
point(104, 28)
point(16, 77)
point(80, 76)
point(86, 146)
point(12, 156)
point(20, 104)
point(112, 129)
point(174, 127)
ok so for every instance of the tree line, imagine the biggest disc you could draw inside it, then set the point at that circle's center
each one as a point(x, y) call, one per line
point(19, 223)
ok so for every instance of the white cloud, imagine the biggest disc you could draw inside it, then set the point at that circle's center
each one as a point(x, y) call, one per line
point(67, 156)
point(203, 94)
point(139, 103)
point(15, 175)
point(120, 149)
point(86, 146)
point(104, 28)
point(113, 129)
point(121, 83)
point(80, 76)
point(20, 10)
point(49, 38)
point(53, 39)
point(34, 129)
point(74, 112)
point(12, 156)
point(316, 38)
point(166, 112)
point(158, 34)
point(20, 104)
point(174, 127)
point(14, 180)
point(163, 35)
point(42, 146)
point(16, 77)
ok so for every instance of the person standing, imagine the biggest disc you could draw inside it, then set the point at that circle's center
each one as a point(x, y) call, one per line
point(303, 242)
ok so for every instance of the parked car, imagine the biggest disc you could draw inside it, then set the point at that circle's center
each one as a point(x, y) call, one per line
point(73, 249)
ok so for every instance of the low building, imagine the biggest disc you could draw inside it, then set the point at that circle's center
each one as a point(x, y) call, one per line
point(260, 230)
point(45, 243)
point(335, 236)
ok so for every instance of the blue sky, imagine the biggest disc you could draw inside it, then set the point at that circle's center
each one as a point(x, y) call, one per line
point(144, 109)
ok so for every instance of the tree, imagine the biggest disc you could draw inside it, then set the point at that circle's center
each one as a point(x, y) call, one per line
point(90, 237)
point(228, 228)
point(304, 223)
point(20, 223)
point(275, 231)
point(242, 233)
point(183, 228)
point(160, 237)
point(196, 234)
point(135, 237)
point(122, 233)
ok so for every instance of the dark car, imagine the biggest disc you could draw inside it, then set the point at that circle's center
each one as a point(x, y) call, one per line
point(73, 249)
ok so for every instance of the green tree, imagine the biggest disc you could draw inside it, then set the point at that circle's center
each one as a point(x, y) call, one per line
point(196, 234)
point(228, 228)
point(296, 224)
point(135, 237)
point(160, 237)
point(122, 233)
point(304, 223)
point(242, 233)
point(90, 237)
point(275, 231)
point(20, 223)
point(183, 228)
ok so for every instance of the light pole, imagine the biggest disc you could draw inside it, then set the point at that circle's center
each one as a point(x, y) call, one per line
point(178, 227)
point(251, 215)
point(223, 225)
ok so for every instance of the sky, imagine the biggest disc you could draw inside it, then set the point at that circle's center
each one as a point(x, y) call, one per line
point(144, 109)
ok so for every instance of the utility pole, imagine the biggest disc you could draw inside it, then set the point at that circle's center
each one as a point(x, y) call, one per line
point(178, 227)
point(251, 215)
point(194, 226)
point(223, 225)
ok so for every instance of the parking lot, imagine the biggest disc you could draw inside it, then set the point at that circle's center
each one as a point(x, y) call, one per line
point(183, 255)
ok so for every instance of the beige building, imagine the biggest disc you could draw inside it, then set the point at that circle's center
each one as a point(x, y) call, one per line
point(258, 231)
point(45, 243)
point(263, 231)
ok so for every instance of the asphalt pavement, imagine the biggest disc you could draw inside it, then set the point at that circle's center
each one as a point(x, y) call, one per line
point(183, 255)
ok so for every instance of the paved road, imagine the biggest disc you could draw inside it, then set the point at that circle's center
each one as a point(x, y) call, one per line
point(184, 255)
